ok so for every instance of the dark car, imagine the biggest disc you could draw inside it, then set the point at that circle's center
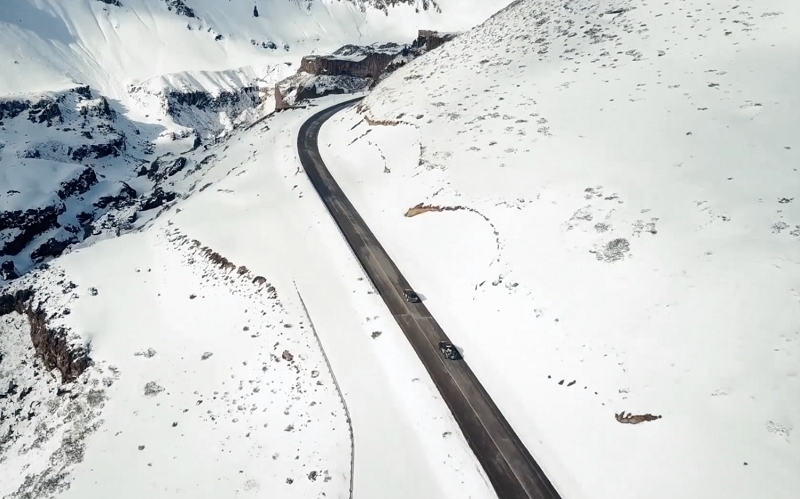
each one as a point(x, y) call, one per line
point(449, 351)
point(411, 296)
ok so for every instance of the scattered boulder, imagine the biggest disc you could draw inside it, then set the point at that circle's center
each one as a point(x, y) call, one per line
point(8, 271)
point(127, 196)
point(157, 198)
point(148, 354)
point(151, 389)
point(160, 168)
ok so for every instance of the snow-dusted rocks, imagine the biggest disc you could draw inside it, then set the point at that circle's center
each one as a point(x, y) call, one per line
point(210, 104)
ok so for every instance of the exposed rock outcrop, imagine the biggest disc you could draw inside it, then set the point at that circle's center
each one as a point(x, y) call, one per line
point(353, 61)
point(126, 197)
point(114, 146)
point(162, 168)
point(51, 248)
point(352, 68)
point(8, 271)
point(428, 40)
point(11, 108)
point(157, 198)
point(52, 345)
point(78, 185)
point(27, 226)
point(45, 111)
point(180, 8)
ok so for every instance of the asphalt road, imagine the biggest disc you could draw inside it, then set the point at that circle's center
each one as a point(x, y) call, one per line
point(508, 464)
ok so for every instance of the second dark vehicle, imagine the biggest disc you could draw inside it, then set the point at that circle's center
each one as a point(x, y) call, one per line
point(449, 351)
point(411, 296)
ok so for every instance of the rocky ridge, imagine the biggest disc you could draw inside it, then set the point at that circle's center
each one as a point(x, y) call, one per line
point(352, 68)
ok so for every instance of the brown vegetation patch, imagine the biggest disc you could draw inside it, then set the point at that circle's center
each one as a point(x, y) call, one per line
point(424, 208)
point(372, 122)
point(223, 263)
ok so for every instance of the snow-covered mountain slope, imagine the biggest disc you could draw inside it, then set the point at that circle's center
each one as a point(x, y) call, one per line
point(268, 284)
point(605, 217)
point(49, 45)
point(72, 168)
point(208, 386)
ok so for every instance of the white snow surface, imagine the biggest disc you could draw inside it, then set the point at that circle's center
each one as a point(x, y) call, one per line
point(626, 234)
point(250, 423)
point(55, 44)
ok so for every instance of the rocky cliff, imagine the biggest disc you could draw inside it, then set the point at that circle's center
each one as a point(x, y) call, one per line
point(70, 165)
point(352, 68)
point(53, 346)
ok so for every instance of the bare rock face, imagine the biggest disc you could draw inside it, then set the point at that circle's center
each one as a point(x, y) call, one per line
point(157, 198)
point(27, 225)
point(11, 108)
point(45, 111)
point(52, 248)
point(78, 133)
point(180, 8)
point(352, 68)
point(162, 168)
point(428, 40)
point(360, 66)
point(8, 271)
point(51, 345)
point(78, 185)
point(126, 197)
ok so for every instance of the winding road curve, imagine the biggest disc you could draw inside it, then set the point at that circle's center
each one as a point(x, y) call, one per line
point(508, 464)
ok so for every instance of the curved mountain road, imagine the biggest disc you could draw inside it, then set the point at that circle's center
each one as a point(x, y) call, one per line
point(508, 464)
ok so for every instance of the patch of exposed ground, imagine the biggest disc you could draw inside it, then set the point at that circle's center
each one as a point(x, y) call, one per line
point(425, 208)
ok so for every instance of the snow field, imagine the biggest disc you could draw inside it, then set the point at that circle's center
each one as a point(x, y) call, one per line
point(264, 211)
point(635, 170)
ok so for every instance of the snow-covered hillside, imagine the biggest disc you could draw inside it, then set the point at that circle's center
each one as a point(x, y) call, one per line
point(138, 137)
point(49, 45)
point(206, 329)
point(601, 208)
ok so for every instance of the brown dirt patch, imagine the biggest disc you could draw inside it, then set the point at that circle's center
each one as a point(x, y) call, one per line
point(425, 208)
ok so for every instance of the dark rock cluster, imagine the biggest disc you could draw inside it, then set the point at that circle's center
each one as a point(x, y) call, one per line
point(180, 8)
point(78, 128)
point(28, 224)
